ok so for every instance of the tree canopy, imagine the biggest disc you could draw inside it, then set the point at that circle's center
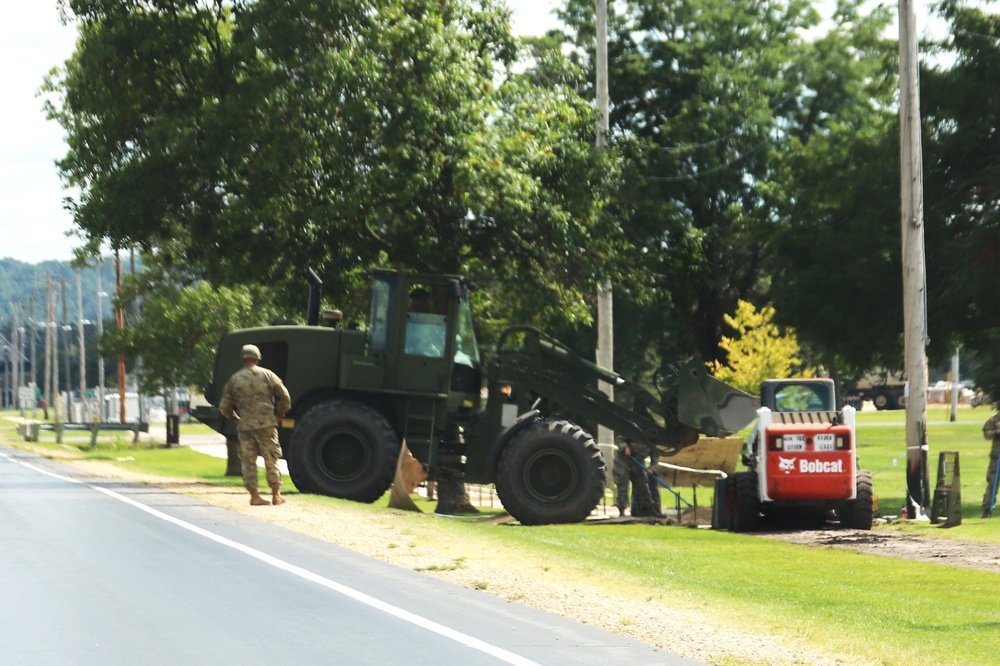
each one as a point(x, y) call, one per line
point(961, 110)
point(248, 140)
point(754, 157)
point(180, 326)
point(712, 104)
point(759, 350)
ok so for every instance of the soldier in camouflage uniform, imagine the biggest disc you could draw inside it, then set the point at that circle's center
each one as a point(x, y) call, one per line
point(626, 471)
point(991, 430)
point(255, 399)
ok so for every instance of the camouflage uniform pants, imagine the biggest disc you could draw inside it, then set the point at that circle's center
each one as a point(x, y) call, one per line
point(261, 442)
point(625, 472)
point(990, 473)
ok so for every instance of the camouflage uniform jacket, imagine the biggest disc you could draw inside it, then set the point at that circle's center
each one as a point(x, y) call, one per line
point(256, 397)
point(639, 449)
point(991, 428)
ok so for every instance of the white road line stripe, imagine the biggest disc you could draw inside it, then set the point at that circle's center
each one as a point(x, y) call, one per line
point(406, 616)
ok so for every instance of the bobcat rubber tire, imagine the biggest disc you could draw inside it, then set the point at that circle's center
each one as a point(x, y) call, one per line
point(744, 502)
point(859, 513)
point(550, 472)
point(343, 449)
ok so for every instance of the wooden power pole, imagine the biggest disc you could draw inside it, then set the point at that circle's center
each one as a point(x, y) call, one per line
point(83, 347)
point(100, 358)
point(605, 300)
point(914, 275)
point(120, 317)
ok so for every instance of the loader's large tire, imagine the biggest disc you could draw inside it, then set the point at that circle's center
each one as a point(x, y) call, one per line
point(343, 449)
point(745, 503)
point(859, 513)
point(550, 472)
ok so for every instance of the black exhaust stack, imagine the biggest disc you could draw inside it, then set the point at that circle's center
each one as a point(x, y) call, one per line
point(315, 290)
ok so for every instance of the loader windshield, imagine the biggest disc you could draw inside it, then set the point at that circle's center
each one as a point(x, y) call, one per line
point(466, 351)
point(426, 322)
point(805, 397)
point(382, 294)
point(466, 374)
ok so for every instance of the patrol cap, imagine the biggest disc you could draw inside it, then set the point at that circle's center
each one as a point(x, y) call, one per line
point(250, 351)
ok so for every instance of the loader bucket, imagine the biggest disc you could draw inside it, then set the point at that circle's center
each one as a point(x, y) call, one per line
point(709, 405)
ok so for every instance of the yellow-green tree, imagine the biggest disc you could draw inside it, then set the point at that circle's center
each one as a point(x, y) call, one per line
point(760, 349)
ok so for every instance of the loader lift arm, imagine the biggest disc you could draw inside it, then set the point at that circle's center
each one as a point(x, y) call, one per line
point(691, 402)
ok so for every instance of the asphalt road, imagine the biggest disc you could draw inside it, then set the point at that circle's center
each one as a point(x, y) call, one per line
point(104, 572)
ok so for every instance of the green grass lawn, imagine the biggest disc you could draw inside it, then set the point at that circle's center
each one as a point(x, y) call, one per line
point(882, 449)
point(861, 608)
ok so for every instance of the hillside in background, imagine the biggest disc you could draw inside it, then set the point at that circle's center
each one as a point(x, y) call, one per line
point(22, 285)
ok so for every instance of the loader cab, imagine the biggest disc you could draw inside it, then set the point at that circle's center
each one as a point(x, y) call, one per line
point(422, 325)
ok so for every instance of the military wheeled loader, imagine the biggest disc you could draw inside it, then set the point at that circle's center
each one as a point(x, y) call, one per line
point(415, 375)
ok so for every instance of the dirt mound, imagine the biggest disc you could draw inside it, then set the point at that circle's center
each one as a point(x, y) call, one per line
point(981, 556)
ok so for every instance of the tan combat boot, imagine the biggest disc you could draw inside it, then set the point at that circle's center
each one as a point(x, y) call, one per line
point(276, 497)
point(257, 500)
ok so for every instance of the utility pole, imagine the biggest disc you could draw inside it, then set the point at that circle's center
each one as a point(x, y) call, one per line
point(21, 330)
point(25, 380)
point(83, 347)
point(120, 316)
point(953, 384)
point(64, 329)
point(47, 381)
point(15, 343)
point(8, 368)
point(100, 358)
point(34, 354)
point(53, 326)
point(605, 299)
point(51, 349)
point(138, 361)
point(914, 276)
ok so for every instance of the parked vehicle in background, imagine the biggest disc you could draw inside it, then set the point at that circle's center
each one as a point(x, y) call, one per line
point(885, 390)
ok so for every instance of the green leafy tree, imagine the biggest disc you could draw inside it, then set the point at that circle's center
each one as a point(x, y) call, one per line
point(961, 107)
point(179, 328)
point(837, 250)
point(707, 100)
point(834, 252)
point(760, 350)
point(248, 140)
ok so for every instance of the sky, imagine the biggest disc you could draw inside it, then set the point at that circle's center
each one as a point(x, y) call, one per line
point(32, 219)
point(33, 222)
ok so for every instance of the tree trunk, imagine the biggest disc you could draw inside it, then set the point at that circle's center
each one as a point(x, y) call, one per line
point(453, 496)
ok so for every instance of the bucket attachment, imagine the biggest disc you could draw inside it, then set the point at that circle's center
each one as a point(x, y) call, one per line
point(947, 504)
point(709, 405)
